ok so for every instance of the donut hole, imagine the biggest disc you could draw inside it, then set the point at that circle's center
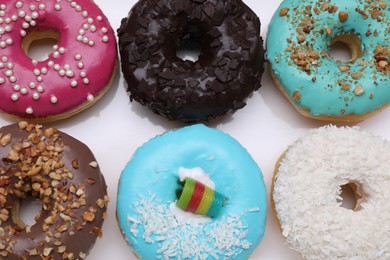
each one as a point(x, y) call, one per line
point(25, 211)
point(345, 48)
point(350, 196)
point(38, 45)
point(189, 50)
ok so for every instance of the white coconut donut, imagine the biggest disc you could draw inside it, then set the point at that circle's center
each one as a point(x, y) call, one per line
point(307, 188)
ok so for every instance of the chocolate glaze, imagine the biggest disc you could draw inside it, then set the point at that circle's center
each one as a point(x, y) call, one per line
point(81, 233)
point(228, 70)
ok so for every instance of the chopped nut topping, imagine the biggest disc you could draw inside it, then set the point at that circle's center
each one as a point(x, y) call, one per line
point(356, 75)
point(88, 216)
point(296, 96)
point(358, 90)
point(343, 16)
point(5, 139)
point(284, 11)
point(93, 164)
point(344, 68)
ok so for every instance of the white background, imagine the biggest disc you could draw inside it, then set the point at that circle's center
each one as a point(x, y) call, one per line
point(113, 129)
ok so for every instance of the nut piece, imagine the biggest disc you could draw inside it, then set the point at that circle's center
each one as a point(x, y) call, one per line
point(343, 16)
point(88, 216)
point(296, 96)
point(284, 11)
point(359, 90)
point(5, 139)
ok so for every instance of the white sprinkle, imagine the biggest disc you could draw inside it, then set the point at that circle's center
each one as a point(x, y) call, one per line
point(73, 83)
point(17, 87)
point(12, 79)
point(61, 50)
point(3, 6)
point(27, 18)
point(62, 72)
point(80, 65)
point(29, 110)
point(57, 7)
point(15, 97)
point(85, 13)
point(2, 80)
point(25, 25)
point(77, 57)
point(34, 62)
point(24, 91)
point(85, 40)
point(2, 13)
point(91, 43)
point(104, 30)
point(83, 74)
point(90, 98)
point(33, 23)
point(34, 15)
point(2, 30)
point(37, 72)
point(79, 38)
point(9, 73)
point(105, 38)
point(10, 65)
point(22, 13)
point(4, 58)
point(90, 20)
point(55, 47)
point(19, 4)
point(44, 70)
point(69, 73)
point(2, 65)
point(35, 96)
point(8, 28)
point(32, 85)
point(86, 81)
point(40, 89)
point(57, 67)
point(99, 18)
point(93, 28)
point(78, 8)
point(81, 32)
point(73, 4)
point(53, 99)
point(42, 6)
point(32, 7)
point(85, 26)
point(23, 33)
point(7, 20)
point(56, 54)
point(3, 44)
point(9, 41)
point(50, 63)
point(39, 78)
point(14, 17)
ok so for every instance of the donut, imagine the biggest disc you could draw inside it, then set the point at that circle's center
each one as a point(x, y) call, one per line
point(75, 74)
point(307, 194)
point(61, 172)
point(228, 69)
point(299, 41)
point(160, 219)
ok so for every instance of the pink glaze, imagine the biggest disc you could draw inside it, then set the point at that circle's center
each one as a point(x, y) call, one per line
point(77, 70)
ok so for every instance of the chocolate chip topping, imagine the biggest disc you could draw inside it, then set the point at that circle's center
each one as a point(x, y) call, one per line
point(48, 165)
point(228, 70)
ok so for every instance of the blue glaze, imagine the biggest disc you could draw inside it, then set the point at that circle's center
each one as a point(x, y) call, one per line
point(154, 169)
point(324, 96)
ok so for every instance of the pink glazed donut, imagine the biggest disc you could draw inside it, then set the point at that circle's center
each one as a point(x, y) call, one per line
point(77, 72)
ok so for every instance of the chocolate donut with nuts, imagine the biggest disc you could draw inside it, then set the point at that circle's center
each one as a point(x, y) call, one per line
point(227, 71)
point(62, 173)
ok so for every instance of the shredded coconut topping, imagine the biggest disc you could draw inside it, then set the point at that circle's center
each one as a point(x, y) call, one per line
point(307, 195)
point(224, 238)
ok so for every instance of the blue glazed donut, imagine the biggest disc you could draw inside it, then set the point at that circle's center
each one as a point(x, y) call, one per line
point(152, 224)
point(298, 43)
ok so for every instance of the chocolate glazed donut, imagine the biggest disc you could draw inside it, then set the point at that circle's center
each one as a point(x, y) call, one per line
point(228, 69)
point(59, 171)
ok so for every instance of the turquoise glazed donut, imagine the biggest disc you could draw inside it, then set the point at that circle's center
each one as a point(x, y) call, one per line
point(299, 38)
point(155, 227)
